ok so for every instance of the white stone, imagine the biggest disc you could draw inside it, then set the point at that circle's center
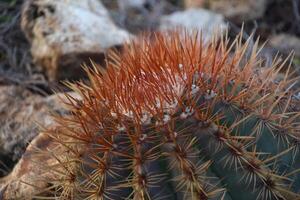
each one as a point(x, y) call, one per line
point(67, 27)
point(194, 19)
point(21, 112)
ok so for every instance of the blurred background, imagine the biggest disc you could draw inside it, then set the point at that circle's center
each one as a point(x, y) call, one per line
point(45, 42)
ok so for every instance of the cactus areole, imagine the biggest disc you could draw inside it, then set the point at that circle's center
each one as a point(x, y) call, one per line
point(176, 118)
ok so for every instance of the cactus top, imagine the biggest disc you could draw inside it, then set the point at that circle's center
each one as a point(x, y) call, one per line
point(173, 117)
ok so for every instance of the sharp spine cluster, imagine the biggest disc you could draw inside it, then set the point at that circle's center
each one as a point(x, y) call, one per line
point(176, 118)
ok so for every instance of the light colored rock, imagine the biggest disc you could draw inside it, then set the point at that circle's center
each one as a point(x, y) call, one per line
point(20, 115)
point(64, 33)
point(239, 10)
point(26, 113)
point(286, 44)
point(25, 180)
point(195, 19)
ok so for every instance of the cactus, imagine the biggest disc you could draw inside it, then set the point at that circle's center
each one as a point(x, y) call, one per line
point(174, 117)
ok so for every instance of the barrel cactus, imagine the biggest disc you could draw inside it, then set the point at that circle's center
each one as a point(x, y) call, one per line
point(178, 117)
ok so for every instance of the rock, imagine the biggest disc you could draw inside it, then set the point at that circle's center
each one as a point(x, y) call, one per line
point(27, 172)
point(239, 10)
point(194, 19)
point(194, 3)
point(138, 15)
point(21, 114)
point(132, 14)
point(24, 182)
point(64, 34)
point(131, 3)
point(16, 108)
point(286, 44)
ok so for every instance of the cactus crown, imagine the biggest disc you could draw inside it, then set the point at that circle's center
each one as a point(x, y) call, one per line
point(174, 117)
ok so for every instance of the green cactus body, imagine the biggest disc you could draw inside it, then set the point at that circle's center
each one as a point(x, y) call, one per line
point(176, 118)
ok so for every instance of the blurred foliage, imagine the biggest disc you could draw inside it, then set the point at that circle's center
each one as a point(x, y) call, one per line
point(9, 2)
point(296, 61)
point(4, 14)
point(5, 18)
